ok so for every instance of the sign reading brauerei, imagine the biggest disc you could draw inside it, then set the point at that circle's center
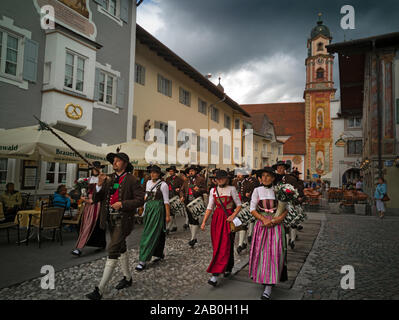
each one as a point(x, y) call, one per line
point(72, 14)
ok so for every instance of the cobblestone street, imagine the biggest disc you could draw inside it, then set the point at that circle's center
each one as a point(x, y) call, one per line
point(368, 244)
point(181, 273)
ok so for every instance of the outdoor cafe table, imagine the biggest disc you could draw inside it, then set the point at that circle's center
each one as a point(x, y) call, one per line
point(24, 217)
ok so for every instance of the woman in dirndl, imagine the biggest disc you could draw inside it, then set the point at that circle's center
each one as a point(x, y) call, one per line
point(90, 233)
point(268, 249)
point(156, 215)
point(223, 197)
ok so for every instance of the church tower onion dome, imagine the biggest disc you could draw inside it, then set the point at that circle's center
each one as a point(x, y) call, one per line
point(320, 29)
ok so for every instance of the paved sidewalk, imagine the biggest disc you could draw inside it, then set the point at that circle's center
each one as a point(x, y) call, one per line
point(240, 287)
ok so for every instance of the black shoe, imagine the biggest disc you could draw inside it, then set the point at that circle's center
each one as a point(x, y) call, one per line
point(192, 243)
point(140, 267)
point(292, 244)
point(76, 252)
point(185, 227)
point(173, 229)
point(212, 283)
point(167, 232)
point(157, 259)
point(299, 227)
point(244, 246)
point(124, 283)
point(239, 249)
point(227, 274)
point(265, 296)
point(95, 295)
point(250, 239)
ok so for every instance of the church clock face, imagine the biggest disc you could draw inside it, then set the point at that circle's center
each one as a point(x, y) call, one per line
point(320, 61)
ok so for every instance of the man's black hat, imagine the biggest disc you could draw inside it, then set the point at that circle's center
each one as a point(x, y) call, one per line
point(97, 165)
point(155, 168)
point(265, 169)
point(123, 156)
point(220, 174)
point(281, 163)
point(172, 168)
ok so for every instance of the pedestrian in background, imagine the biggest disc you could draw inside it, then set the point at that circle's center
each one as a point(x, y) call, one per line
point(379, 194)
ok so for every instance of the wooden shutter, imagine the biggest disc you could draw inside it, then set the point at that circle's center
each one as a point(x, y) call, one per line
point(125, 10)
point(120, 95)
point(31, 53)
point(96, 94)
point(134, 127)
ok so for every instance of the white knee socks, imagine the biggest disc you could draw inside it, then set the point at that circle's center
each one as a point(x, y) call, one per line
point(250, 228)
point(292, 234)
point(108, 269)
point(124, 260)
point(268, 290)
point(194, 230)
point(242, 237)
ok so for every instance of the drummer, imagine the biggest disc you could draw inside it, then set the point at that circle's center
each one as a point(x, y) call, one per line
point(244, 185)
point(174, 183)
point(223, 197)
point(193, 188)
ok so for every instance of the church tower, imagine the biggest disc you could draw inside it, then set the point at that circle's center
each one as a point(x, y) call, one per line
point(318, 93)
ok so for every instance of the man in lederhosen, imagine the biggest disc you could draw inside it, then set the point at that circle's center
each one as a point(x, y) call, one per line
point(193, 188)
point(174, 183)
point(120, 194)
point(245, 186)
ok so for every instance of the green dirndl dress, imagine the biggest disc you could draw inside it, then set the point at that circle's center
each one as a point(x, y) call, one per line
point(154, 226)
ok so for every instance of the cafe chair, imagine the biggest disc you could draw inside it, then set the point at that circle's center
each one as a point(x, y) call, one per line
point(10, 225)
point(50, 219)
point(74, 221)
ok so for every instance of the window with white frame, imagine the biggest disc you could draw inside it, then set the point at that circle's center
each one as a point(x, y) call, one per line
point(74, 71)
point(110, 6)
point(139, 74)
point(106, 88)
point(214, 148)
point(226, 151)
point(236, 154)
point(10, 52)
point(202, 144)
point(354, 122)
point(3, 170)
point(56, 173)
point(354, 147)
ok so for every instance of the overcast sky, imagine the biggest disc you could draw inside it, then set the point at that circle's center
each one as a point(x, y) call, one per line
point(258, 47)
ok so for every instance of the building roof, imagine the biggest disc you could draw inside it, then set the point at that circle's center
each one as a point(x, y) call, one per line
point(288, 120)
point(352, 55)
point(168, 55)
point(365, 44)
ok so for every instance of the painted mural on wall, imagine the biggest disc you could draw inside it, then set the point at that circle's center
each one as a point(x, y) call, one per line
point(72, 14)
point(79, 6)
point(319, 133)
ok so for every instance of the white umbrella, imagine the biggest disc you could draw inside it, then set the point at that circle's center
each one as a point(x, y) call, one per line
point(30, 143)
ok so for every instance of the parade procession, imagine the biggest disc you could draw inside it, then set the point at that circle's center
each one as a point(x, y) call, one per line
point(181, 153)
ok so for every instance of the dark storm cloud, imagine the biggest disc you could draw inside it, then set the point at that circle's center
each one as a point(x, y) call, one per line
point(222, 36)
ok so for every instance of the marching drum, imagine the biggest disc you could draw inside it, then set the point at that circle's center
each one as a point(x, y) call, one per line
point(176, 206)
point(197, 207)
point(245, 214)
